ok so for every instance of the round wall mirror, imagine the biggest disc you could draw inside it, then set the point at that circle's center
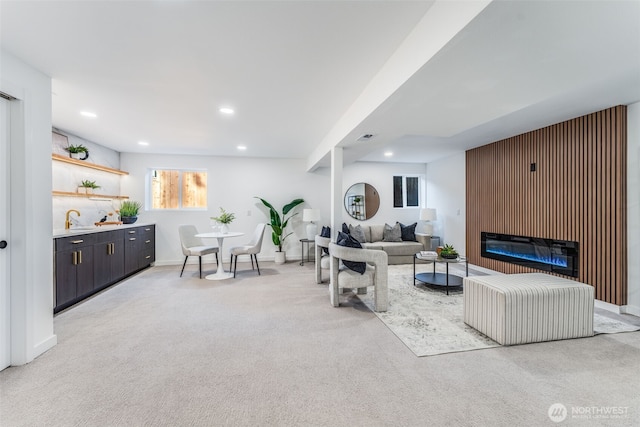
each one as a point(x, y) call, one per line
point(361, 201)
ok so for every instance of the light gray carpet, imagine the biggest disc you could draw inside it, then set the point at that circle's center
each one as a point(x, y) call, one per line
point(430, 322)
point(159, 350)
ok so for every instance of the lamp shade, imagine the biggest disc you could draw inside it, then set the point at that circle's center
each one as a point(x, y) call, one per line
point(428, 214)
point(310, 215)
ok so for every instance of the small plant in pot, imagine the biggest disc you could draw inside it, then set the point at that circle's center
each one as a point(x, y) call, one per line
point(87, 186)
point(448, 252)
point(224, 219)
point(278, 222)
point(129, 211)
point(79, 152)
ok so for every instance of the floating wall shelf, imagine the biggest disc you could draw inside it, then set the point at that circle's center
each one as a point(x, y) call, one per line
point(88, 196)
point(69, 160)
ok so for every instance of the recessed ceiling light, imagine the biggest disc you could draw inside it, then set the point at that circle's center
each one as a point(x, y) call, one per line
point(88, 114)
point(226, 110)
point(145, 143)
point(241, 147)
point(388, 153)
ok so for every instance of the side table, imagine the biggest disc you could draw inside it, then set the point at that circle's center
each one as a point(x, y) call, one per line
point(302, 243)
point(440, 279)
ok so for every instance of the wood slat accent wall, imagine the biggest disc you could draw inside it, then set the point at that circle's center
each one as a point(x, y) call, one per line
point(578, 193)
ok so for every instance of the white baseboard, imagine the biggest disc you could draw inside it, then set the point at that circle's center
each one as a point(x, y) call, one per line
point(44, 346)
point(194, 261)
point(631, 309)
point(608, 306)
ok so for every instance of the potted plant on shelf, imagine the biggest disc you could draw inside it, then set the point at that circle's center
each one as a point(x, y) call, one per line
point(87, 187)
point(224, 219)
point(448, 252)
point(129, 211)
point(78, 152)
point(278, 223)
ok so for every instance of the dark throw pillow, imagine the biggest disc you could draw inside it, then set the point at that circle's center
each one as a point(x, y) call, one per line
point(345, 228)
point(408, 232)
point(326, 232)
point(392, 234)
point(348, 241)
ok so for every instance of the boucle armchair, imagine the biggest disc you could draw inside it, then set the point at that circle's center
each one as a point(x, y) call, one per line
point(375, 275)
point(322, 259)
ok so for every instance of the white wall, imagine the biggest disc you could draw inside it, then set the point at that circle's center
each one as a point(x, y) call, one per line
point(633, 208)
point(233, 183)
point(380, 175)
point(30, 204)
point(446, 189)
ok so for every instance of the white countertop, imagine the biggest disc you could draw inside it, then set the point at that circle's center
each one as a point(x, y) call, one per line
point(96, 229)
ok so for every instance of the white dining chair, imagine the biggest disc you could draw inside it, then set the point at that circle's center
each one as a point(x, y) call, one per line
point(194, 246)
point(252, 249)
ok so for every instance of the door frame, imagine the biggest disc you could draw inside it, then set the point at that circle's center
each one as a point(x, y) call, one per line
point(5, 230)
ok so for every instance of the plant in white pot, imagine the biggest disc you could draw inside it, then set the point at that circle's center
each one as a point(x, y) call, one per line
point(87, 187)
point(278, 223)
point(224, 219)
point(78, 152)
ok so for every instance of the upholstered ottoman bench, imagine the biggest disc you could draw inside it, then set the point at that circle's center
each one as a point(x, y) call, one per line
point(525, 308)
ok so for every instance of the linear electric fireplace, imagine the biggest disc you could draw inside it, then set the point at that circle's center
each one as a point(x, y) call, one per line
point(558, 256)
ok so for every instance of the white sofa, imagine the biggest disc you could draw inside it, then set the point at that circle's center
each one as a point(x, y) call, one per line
point(398, 252)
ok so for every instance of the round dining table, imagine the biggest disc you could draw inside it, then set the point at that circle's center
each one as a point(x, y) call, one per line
point(220, 274)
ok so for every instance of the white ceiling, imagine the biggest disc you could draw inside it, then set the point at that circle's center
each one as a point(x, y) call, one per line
point(294, 71)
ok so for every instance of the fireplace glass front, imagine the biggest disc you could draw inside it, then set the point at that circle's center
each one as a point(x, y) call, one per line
point(558, 256)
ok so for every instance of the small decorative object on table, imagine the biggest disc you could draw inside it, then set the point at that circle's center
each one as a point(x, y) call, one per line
point(428, 254)
point(129, 211)
point(448, 252)
point(224, 220)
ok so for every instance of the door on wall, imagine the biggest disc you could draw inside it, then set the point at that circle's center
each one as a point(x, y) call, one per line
point(5, 304)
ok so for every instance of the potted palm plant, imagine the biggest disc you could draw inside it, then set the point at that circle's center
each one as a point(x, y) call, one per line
point(278, 222)
point(129, 211)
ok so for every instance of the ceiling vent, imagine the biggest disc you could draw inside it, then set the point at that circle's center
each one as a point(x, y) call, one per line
point(365, 137)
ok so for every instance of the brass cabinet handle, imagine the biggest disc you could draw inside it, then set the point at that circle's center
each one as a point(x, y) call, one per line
point(74, 258)
point(148, 241)
point(79, 257)
point(132, 238)
point(75, 242)
point(147, 229)
point(132, 232)
point(148, 256)
point(113, 248)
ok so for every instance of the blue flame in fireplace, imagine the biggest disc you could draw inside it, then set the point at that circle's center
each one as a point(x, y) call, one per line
point(558, 261)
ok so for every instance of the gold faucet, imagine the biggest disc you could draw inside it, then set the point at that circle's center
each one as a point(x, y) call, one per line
point(67, 222)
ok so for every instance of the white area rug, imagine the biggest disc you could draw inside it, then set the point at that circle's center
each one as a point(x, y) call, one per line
point(606, 325)
point(430, 322)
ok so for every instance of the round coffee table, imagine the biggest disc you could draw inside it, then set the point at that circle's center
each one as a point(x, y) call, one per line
point(439, 279)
